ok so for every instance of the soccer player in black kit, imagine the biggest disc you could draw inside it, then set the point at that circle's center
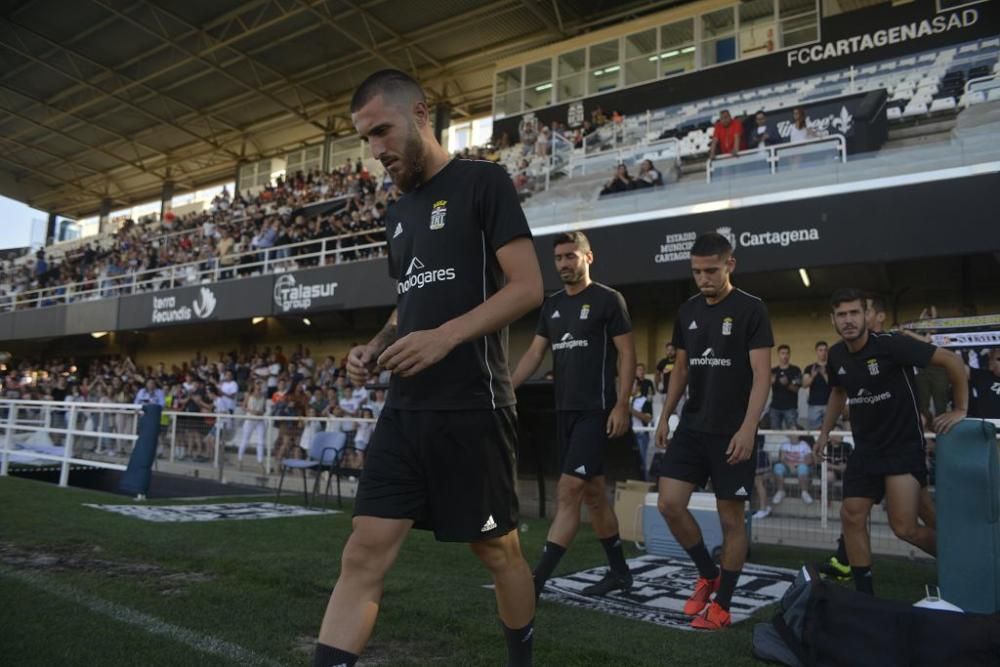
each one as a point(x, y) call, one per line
point(588, 328)
point(872, 374)
point(442, 454)
point(723, 340)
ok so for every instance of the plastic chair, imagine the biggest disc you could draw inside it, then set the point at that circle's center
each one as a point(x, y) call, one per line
point(342, 468)
point(323, 452)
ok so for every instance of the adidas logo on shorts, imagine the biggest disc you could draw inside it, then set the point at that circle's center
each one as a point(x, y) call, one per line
point(582, 470)
point(742, 491)
point(489, 525)
point(694, 325)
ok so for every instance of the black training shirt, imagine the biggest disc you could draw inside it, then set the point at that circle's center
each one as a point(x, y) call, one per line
point(881, 395)
point(718, 339)
point(785, 396)
point(581, 331)
point(819, 390)
point(984, 394)
point(443, 237)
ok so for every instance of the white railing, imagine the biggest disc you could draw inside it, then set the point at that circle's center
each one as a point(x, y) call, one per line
point(276, 259)
point(771, 154)
point(83, 429)
point(979, 85)
point(234, 432)
point(628, 155)
point(62, 420)
point(815, 524)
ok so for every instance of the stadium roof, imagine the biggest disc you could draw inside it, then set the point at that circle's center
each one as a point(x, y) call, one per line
point(110, 98)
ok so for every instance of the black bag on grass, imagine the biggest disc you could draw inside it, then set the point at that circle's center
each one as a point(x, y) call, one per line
point(823, 624)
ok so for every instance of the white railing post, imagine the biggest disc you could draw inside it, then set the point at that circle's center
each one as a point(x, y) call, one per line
point(824, 491)
point(173, 437)
point(218, 437)
point(8, 439)
point(268, 451)
point(47, 416)
point(68, 446)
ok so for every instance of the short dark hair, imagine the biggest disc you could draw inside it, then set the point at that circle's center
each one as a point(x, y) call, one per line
point(875, 302)
point(784, 347)
point(577, 237)
point(711, 243)
point(846, 295)
point(387, 82)
point(821, 343)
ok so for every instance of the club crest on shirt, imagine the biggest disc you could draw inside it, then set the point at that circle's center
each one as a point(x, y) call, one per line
point(438, 213)
point(727, 326)
point(872, 366)
point(585, 311)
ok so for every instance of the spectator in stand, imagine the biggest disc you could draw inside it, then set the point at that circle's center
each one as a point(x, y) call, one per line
point(642, 416)
point(932, 381)
point(785, 382)
point(800, 130)
point(254, 405)
point(664, 367)
point(529, 135)
point(648, 175)
point(646, 387)
point(838, 450)
point(762, 475)
point(150, 394)
point(817, 380)
point(796, 457)
point(620, 182)
point(984, 388)
point(762, 134)
point(726, 136)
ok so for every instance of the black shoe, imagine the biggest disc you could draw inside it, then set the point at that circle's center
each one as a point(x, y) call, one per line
point(612, 581)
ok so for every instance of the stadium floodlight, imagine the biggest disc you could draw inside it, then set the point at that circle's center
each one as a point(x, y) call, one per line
point(805, 277)
point(257, 320)
point(99, 334)
point(305, 321)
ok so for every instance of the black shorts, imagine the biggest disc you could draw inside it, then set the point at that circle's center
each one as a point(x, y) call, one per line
point(583, 440)
point(865, 475)
point(449, 471)
point(696, 457)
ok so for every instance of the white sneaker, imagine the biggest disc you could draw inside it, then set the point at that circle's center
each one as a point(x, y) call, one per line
point(778, 497)
point(762, 514)
point(806, 498)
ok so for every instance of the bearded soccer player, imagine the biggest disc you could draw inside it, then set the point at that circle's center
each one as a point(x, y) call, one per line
point(839, 565)
point(723, 340)
point(442, 454)
point(588, 328)
point(872, 373)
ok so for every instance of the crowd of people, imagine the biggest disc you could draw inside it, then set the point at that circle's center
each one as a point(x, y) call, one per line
point(232, 235)
point(305, 393)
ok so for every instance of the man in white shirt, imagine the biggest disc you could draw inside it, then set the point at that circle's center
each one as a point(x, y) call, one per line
point(796, 457)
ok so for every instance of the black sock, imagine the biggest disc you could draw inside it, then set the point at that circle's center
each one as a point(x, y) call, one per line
point(519, 644)
point(615, 551)
point(863, 579)
point(703, 560)
point(547, 565)
point(328, 656)
point(842, 551)
point(726, 587)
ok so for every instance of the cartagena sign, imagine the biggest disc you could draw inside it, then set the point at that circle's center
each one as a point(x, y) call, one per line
point(898, 34)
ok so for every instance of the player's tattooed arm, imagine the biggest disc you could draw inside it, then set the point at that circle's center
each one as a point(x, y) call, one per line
point(361, 359)
point(385, 337)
